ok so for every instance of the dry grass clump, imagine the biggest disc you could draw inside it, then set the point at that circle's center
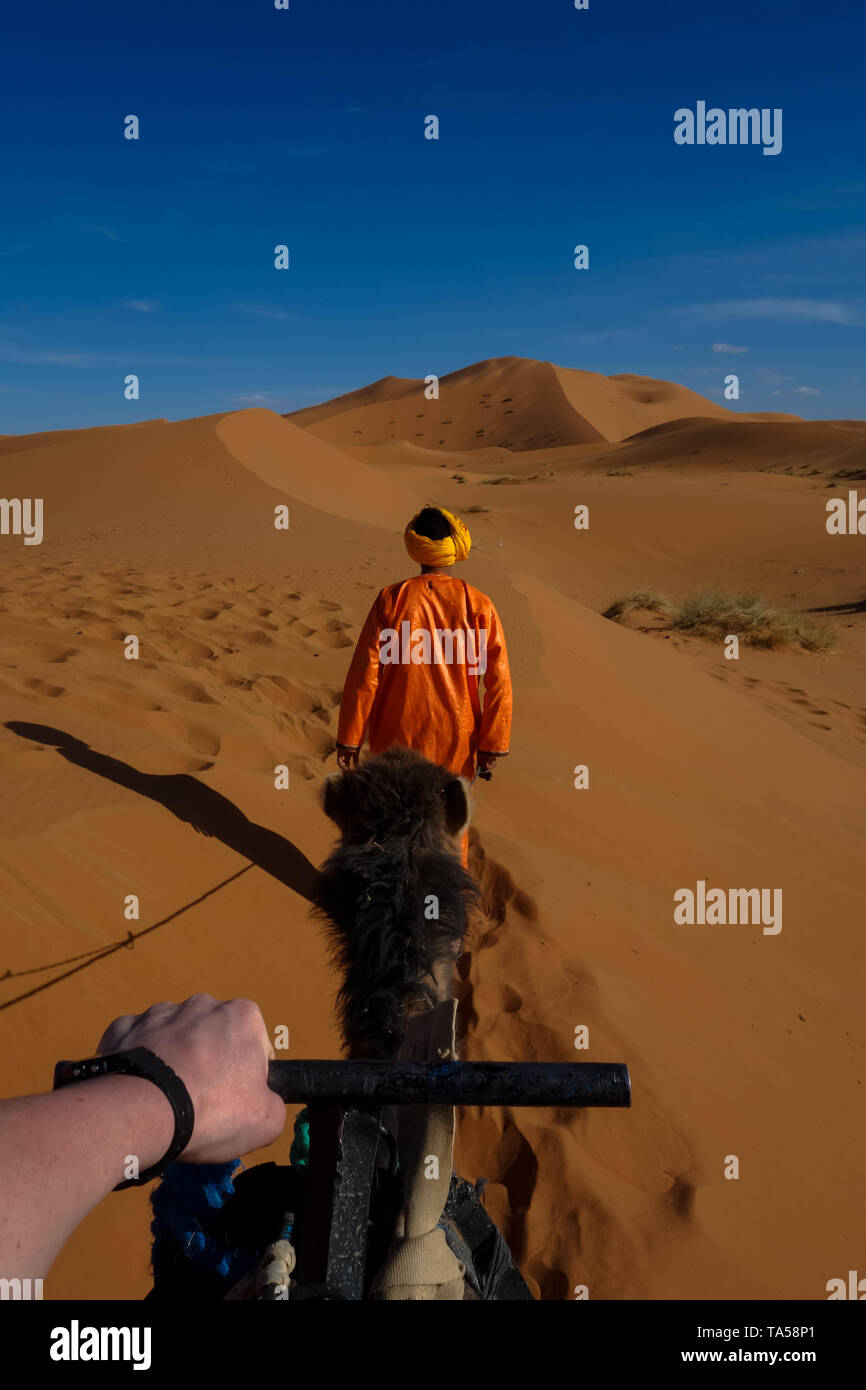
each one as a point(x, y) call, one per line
point(716, 615)
point(648, 599)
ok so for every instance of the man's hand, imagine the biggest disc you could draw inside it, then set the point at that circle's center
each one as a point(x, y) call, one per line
point(347, 758)
point(487, 761)
point(221, 1052)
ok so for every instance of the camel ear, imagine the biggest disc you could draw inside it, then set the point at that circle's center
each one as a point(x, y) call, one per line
point(334, 797)
point(456, 797)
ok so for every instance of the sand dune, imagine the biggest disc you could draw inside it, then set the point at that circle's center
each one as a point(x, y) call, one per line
point(156, 777)
point(746, 445)
point(513, 403)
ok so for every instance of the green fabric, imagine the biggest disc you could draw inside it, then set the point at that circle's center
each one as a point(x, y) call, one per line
point(299, 1154)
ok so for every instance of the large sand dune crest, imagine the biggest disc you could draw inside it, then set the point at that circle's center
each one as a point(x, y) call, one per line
point(512, 403)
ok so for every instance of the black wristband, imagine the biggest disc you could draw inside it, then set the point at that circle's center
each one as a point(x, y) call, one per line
point(139, 1061)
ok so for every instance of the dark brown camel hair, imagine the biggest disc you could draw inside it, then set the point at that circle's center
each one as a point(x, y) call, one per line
point(393, 895)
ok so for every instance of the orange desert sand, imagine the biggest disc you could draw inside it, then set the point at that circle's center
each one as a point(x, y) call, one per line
point(746, 774)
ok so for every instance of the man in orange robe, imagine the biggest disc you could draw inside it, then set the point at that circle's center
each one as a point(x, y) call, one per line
point(427, 645)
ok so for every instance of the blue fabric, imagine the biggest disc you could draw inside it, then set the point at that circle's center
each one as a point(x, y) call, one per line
point(188, 1196)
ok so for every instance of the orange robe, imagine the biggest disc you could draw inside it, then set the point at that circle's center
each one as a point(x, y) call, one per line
point(432, 706)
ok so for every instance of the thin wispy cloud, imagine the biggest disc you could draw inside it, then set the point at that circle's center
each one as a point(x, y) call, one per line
point(144, 306)
point(591, 336)
point(253, 159)
point(728, 347)
point(780, 310)
point(27, 358)
point(265, 400)
point(273, 399)
point(103, 232)
point(838, 197)
point(130, 361)
point(264, 311)
point(764, 261)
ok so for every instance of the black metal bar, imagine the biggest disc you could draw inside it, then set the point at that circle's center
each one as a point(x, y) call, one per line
point(321, 1176)
point(353, 1083)
point(358, 1141)
point(333, 1248)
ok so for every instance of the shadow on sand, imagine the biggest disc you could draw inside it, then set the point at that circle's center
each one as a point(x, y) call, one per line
point(853, 606)
point(206, 810)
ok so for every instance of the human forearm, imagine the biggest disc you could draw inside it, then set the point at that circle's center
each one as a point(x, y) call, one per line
point(62, 1152)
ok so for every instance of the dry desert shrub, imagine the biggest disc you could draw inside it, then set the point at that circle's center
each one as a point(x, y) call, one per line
point(716, 615)
point(647, 599)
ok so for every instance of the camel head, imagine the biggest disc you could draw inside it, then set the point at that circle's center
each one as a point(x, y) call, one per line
point(398, 796)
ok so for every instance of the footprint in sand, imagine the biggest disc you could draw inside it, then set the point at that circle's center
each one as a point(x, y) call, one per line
point(205, 615)
point(203, 740)
point(519, 1020)
point(510, 1001)
point(318, 738)
point(195, 736)
point(43, 688)
point(166, 643)
point(188, 690)
point(126, 695)
point(54, 655)
point(280, 691)
point(334, 639)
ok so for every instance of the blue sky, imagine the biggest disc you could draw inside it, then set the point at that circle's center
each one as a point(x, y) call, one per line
point(411, 256)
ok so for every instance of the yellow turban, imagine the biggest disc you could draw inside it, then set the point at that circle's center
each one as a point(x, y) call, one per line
point(425, 551)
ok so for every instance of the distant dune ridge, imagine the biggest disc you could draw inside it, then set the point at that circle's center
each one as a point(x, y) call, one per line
point(157, 777)
point(510, 402)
